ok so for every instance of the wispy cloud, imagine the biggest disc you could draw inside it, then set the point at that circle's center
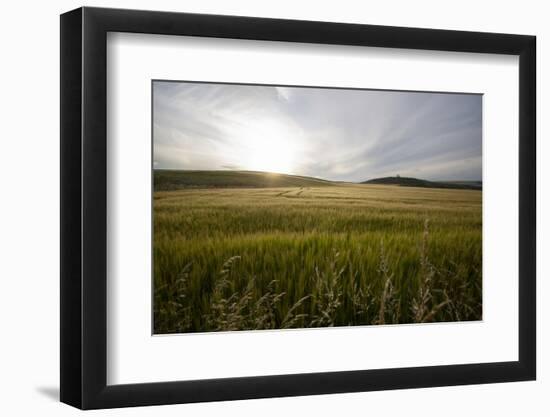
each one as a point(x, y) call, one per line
point(336, 134)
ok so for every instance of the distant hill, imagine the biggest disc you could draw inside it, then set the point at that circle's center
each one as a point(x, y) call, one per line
point(416, 182)
point(168, 180)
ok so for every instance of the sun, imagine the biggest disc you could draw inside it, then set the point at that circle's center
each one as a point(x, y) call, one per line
point(269, 148)
point(272, 156)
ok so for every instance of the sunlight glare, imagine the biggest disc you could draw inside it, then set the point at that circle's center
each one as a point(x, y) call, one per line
point(269, 149)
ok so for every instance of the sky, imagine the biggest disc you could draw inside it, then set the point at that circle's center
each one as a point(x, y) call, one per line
point(335, 134)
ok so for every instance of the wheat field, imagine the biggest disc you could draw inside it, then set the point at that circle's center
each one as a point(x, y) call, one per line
point(238, 258)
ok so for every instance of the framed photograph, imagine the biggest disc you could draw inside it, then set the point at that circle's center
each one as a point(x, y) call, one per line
point(257, 208)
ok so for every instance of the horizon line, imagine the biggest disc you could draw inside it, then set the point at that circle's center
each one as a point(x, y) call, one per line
point(318, 178)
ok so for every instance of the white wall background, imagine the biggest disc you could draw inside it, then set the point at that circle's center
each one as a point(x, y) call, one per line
point(29, 209)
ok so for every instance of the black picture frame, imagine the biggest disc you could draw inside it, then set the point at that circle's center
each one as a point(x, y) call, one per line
point(84, 207)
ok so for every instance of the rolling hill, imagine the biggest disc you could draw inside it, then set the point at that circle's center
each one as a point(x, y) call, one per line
point(167, 180)
point(416, 182)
